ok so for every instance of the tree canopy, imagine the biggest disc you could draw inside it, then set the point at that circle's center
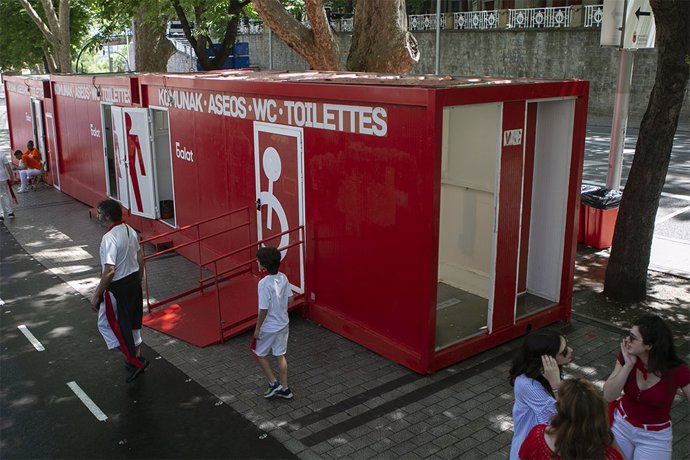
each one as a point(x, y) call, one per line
point(22, 45)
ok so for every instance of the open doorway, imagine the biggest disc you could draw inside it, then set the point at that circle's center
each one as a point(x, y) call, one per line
point(547, 174)
point(109, 151)
point(467, 222)
point(163, 165)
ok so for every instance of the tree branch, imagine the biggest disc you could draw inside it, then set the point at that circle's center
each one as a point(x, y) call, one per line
point(291, 31)
point(38, 21)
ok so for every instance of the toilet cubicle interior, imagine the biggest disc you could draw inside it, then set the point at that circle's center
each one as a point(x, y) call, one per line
point(470, 169)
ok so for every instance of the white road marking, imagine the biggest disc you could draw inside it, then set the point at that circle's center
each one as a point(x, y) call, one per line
point(672, 215)
point(2, 302)
point(34, 341)
point(88, 402)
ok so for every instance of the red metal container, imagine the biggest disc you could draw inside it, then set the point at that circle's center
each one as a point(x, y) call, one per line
point(437, 213)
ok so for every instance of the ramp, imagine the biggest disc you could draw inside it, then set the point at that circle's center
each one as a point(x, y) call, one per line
point(197, 319)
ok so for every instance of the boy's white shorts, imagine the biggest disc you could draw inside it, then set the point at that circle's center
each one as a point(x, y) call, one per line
point(275, 342)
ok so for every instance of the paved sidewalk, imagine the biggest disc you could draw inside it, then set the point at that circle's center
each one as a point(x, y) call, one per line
point(350, 402)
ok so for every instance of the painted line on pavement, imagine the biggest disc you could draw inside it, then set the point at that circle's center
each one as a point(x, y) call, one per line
point(88, 402)
point(672, 215)
point(34, 341)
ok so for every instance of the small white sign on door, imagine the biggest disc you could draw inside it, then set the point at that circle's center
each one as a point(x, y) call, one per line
point(512, 137)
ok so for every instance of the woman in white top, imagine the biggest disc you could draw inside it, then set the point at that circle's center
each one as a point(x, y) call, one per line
point(536, 376)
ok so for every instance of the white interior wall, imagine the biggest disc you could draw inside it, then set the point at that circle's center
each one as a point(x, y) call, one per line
point(162, 155)
point(470, 140)
point(552, 155)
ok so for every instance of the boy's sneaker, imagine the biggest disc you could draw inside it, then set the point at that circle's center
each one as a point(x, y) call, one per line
point(2, 218)
point(272, 389)
point(10, 215)
point(284, 393)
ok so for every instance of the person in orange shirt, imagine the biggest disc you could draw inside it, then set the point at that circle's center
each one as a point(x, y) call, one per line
point(34, 152)
point(28, 167)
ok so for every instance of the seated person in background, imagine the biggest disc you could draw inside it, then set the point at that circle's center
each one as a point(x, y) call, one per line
point(28, 167)
point(34, 152)
point(579, 430)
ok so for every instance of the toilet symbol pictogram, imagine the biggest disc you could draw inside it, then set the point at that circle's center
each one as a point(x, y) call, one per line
point(271, 166)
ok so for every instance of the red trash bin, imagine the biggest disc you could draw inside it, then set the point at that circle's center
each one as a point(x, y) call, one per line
point(599, 226)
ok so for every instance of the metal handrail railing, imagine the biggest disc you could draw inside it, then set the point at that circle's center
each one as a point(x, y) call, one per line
point(221, 276)
point(198, 240)
point(218, 276)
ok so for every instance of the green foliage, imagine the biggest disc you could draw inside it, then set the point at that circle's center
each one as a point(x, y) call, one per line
point(22, 45)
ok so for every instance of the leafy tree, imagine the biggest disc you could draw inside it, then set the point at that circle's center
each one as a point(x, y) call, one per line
point(626, 275)
point(21, 44)
point(24, 45)
point(147, 18)
point(380, 40)
point(55, 27)
point(212, 18)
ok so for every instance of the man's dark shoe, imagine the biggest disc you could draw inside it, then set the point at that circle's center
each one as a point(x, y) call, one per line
point(135, 373)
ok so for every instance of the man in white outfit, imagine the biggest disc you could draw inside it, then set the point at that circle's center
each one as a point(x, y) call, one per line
point(5, 190)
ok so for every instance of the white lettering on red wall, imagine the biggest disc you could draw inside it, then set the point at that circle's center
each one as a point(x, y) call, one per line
point(372, 121)
point(18, 89)
point(184, 154)
point(95, 132)
point(114, 94)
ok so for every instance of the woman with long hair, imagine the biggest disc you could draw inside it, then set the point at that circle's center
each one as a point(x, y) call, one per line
point(536, 377)
point(579, 430)
point(649, 373)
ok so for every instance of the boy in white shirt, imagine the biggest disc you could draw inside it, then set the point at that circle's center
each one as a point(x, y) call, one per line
point(272, 326)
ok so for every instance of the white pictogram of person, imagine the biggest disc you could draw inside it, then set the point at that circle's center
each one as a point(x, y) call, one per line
point(273, 169)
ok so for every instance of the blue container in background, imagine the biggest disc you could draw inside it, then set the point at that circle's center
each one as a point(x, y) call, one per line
point(241, 62)
point(241, 49)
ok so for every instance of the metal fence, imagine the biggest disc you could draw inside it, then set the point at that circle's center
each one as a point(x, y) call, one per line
point(594, 15)
point(525, 18)
point(476, 20)
point(538, 18)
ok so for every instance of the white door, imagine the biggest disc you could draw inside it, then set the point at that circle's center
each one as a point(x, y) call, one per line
point(279, 168)
point(137, 141)
point(52, 153)
point(120, 155)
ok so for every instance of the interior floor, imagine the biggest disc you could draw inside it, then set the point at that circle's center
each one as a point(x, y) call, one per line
point(528, 304)
point(459, 315)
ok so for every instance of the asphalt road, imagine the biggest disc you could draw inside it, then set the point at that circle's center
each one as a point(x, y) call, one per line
point(163, 414)
point(673, 216)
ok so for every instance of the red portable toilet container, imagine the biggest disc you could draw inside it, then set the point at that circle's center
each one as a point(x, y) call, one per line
point(30, 116)
point(85, 107)
point(437, 213)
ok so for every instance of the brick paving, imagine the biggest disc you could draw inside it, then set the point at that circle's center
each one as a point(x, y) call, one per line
point(349, 402)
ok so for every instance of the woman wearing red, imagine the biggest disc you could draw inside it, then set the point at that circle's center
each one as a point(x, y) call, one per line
point(649, 373)
point(579, 430)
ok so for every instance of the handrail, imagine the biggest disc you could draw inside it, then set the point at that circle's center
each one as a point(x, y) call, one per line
point(189, 243)
point(195, 224)
point(236, 269)
point(252, 260)
point(219, 276)
point(249, 246)
point(195, 241)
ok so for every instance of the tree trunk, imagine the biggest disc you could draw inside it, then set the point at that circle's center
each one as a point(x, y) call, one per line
point(201, 43)
point(57, 31)
point(318, 45)
point(380, 40)
point(152, 49)
point(626, 275)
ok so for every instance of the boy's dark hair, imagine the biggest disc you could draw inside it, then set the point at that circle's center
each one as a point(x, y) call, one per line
point(269, 258)
point(17, 153)
point(111, 209)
